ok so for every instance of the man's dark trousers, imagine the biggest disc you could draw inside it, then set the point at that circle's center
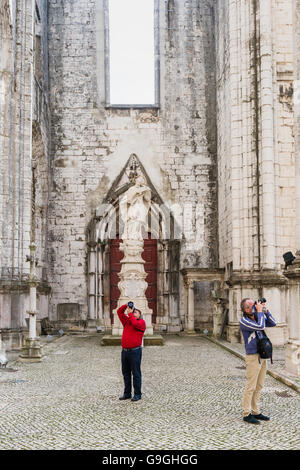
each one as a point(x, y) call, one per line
point(131, 365)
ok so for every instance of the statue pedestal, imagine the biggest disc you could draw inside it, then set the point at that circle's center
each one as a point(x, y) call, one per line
point(133, 285)
point(31, 351)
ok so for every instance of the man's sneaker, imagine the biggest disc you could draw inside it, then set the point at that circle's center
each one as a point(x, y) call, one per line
point(124, 397)
point(261, 417)
point(250, 419)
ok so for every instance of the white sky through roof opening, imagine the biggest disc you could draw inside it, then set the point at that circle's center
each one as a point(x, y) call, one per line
point(131, 47)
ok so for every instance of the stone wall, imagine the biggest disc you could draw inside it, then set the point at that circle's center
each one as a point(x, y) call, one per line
point(41, 140)
point(15, 148)
point(18, 112)
point(296, 16)
point(255, 151)
point(220, 146)
point(91, 143)
point(285, 201)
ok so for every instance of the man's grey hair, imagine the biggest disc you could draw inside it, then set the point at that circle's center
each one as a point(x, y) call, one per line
point(243, 304)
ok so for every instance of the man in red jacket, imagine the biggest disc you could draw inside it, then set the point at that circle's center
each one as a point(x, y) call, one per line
point(134, 329)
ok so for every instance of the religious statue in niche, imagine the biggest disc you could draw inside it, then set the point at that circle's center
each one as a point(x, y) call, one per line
point(134, 207)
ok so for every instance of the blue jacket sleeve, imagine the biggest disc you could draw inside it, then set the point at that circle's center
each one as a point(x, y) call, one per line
point(247, 324)
point(270, 321)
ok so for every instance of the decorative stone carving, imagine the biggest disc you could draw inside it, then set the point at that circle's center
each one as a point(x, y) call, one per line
point(134, 208)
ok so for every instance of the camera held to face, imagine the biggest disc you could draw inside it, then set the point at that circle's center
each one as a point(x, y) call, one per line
point(259, 301)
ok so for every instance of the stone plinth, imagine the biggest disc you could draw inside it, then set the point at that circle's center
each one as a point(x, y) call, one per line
point(152, 340)
point(31, 351)
point(132, 284)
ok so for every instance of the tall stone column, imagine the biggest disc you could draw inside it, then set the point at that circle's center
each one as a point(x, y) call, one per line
point(292, 358)
point(92, 283)
point(190, 327)
point(31, 351)
point(132, 284)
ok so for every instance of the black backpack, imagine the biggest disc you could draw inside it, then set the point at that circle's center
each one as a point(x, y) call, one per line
point(264, 347)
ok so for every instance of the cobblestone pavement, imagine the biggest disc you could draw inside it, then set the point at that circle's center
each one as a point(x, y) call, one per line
point(278, 361)
point(192, 391)
point(278, 365)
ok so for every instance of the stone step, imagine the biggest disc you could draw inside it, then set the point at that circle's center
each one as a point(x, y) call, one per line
point(151, 340)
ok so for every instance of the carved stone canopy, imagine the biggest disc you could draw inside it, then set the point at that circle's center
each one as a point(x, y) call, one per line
point(127, 178)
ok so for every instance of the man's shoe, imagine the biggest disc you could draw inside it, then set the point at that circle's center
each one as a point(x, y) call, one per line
point(135, 398)
point(124, 397)
point(261, 417)
point(250, 419)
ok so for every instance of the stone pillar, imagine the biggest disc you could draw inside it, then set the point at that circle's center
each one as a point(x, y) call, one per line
point(100, 287)
point(132, 284)
point(267, 135)
point(296, 16)
point(236, 294)
point(292, 358)
point(190, 325)
point(31, 351)
point(162, 318)
point(92, 283)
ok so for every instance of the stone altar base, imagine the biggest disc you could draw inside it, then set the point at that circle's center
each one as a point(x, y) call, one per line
point(139, 303)
point(113, 340)
point(13, 339)
point(31, 351)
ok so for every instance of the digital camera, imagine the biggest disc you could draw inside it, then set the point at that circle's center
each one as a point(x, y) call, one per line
point(260, 301)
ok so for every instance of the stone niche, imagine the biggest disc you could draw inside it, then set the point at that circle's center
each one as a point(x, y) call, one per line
point(68, 312)
point(204, 305)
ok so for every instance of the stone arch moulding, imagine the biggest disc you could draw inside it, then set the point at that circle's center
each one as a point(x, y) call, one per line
point(106, 225)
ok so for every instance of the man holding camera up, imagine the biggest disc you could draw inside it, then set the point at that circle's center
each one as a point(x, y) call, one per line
point(134, 329)
point(254, 320)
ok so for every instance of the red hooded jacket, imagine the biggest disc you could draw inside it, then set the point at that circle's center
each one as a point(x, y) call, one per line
point(134, 329)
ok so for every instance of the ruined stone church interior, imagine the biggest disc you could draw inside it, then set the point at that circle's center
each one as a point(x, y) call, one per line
point(200, 99)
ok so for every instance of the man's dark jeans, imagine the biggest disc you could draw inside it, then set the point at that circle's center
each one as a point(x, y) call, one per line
point(131, 367)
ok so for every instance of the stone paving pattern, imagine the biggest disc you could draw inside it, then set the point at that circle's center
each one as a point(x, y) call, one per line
point(192, 391)
point(278, 360)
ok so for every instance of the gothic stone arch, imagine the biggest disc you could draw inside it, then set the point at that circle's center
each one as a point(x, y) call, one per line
point(106, 226)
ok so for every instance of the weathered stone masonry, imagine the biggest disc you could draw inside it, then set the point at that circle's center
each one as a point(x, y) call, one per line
point(176, 143)
point(222, 144)
point(255, 149)
point(24, 125)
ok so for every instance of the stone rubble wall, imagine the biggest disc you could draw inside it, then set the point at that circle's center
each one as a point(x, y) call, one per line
point(91, 144)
